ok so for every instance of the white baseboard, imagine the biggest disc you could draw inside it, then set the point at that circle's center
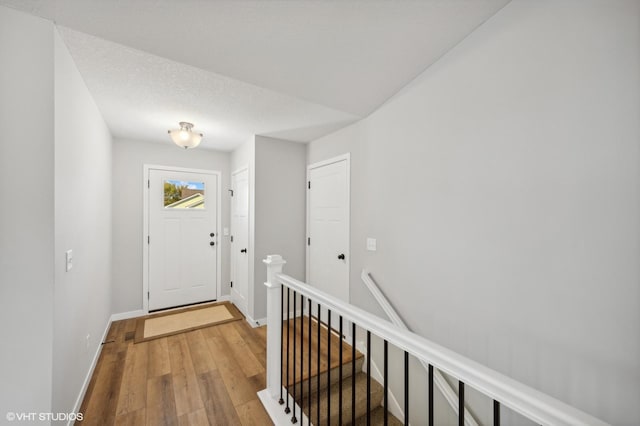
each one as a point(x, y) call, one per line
point(394, 406)
point(255, 322)
point(276, 412)
point(126, 315)
point(92, 367)
point(259, 322)
point(224, 298)
point(250, 320)
point(263, 321)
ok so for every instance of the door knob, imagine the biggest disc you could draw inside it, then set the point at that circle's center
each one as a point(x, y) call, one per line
point(341, 256)
point(212, 243)
point(212, 235)
point(243, 251)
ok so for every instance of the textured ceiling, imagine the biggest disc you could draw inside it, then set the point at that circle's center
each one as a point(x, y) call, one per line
point(142, 95)
point(291, 69)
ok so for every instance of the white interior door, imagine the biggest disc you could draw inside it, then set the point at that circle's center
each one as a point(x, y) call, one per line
point(182, 238)
point(240, 240)
point(328, 229)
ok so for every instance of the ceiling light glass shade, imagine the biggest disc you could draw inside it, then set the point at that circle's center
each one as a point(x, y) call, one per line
point(185, 137)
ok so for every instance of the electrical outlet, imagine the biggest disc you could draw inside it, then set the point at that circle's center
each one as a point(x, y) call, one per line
point(372, 244)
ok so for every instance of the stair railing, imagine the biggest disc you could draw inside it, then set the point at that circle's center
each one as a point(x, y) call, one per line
point(440, 382)
point(531, 403)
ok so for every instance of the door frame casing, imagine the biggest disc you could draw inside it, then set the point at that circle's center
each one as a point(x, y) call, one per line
point(145, 226)
point(344, 157)
point(249, 244)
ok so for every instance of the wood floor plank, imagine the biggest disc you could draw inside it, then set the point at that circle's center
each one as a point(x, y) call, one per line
point(161, 408)
point(92, 383)
point(200, 355)
point(129, 326)
point(252, 336)
point(262, 332)
point(196, 418)
point(114, 331)
point(158, 363)
point(249, 364)
point(211, 331)
point(252, 413)
point(133, 390)
point(185, 382)
point(218, 404)
point(101, 410)
point(259, 382)
point(133, 418)
point(237, 384)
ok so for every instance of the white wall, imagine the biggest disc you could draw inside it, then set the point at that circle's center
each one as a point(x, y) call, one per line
point(280, 198)
point(129, 158)
point(277, 177)
point(244, 157)
point(503, 186)
point(26, 219)
point(82, 296)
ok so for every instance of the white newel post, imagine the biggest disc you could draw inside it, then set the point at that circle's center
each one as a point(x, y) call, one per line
point(274, 264)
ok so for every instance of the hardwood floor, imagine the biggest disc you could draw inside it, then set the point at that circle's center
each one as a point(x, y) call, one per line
point(208, 376)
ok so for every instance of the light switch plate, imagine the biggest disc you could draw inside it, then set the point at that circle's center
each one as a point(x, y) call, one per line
point(371, 244)
point(69, 259)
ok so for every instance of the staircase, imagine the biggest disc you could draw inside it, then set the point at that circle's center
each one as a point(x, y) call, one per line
point(316, 385)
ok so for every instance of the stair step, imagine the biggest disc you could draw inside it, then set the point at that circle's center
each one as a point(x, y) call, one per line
point(361, 401)
point(335, 377)
point(302, 366)
point(377, 418)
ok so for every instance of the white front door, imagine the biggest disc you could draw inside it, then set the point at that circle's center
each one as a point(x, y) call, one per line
point(182, 238)
point(328, 228)
point(240, 240)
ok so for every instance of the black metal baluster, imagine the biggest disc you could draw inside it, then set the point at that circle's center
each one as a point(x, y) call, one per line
point(301, 359)
point(406, 388)
point(353, 373)
point(309, 375)
point(281, 400)
point(385, 379)
point(430, 395)
point(287, 410)
point(496, 413)
point(318, 365)
point(340, 377)
point(368, 377)
point(295, 343)
point(460, 403)
point(329, 365)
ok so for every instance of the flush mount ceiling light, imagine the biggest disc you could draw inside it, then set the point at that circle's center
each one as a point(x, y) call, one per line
point(185, 137)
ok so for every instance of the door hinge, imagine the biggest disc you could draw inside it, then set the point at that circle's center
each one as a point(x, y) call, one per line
point(308, 241)
point(309, 184)
point(231, 192)
point(148, 295)
point(148, 184)
point(231, 284)
point(232, 238)
point(148, 239)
